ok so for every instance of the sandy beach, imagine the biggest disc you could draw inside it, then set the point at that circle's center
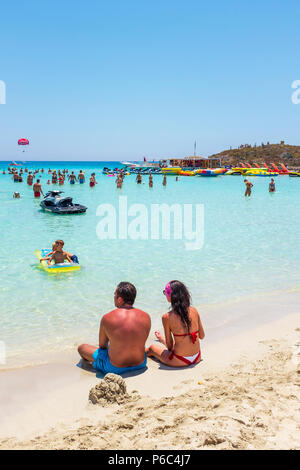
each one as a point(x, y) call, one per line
point(244, 395)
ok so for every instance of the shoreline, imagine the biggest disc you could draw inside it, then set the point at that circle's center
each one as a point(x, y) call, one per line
point(258, 309)
point(53, 399)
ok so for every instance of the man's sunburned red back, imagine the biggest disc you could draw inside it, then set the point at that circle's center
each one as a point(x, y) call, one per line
point(122, 336)
point(127, 330)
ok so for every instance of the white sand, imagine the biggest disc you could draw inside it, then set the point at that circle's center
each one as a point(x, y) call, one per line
point(248, 398)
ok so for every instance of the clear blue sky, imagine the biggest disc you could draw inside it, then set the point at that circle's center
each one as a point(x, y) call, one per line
point(110, 80)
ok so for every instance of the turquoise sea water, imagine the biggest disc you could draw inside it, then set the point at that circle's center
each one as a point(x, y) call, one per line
point(250, 246)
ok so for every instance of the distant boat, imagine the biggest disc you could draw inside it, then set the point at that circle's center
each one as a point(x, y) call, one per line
point(145, 164)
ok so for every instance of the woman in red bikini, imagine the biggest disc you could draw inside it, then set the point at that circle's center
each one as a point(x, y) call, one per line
point(92, 180)
point(183, 330)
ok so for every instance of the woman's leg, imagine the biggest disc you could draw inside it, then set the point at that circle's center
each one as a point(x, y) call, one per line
point(86, 352)
point(162, 354)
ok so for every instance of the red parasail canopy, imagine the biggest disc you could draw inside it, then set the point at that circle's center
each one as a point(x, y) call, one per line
point(23, 142)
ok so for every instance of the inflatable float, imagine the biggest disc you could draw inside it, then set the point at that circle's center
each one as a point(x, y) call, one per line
point(187, 173)
point(207, 172)
point(54, 268)
point(174, 170)
point(260, 173)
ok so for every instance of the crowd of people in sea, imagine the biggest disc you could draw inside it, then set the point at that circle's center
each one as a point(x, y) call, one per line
point(56, 177)
point(59, 177)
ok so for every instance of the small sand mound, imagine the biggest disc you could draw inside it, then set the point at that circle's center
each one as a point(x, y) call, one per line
point(112, 389)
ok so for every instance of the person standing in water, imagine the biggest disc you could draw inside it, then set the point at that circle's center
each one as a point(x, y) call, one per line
point(30, 179)
point(150, 181)
point(81, 177)
point(272, 186)
point(119, 181)
point(37, 189)
point(61, 179)
point(139, 179)
point(164, 180)
point(72, 178)
point(92, 180)
point(54, 177)
point(249, 186)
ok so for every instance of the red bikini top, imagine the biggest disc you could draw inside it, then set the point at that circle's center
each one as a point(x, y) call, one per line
point(193, 335)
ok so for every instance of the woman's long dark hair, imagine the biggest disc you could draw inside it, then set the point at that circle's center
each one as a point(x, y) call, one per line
point(181, 301)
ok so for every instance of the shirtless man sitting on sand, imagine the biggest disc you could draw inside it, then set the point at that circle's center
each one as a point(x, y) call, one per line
point(122, 336)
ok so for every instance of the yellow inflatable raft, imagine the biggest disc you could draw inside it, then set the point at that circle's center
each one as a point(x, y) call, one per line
point(55, 268)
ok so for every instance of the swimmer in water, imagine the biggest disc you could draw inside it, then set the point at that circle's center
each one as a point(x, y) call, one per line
point(119, 181)
point(92, 180)
point(249, 186)
point(16, 195)
point(37, 189)
point(272, 186)
point(30, 179)
point(150, 181)
point(72, 178)
point(81, 177)
point(139, 179)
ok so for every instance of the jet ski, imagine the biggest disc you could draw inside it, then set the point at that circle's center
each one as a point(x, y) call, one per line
point(54, 202)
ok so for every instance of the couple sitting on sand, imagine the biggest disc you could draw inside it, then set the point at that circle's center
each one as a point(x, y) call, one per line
point(124, 332)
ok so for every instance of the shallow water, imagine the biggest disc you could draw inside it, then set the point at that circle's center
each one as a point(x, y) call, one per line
point(251, 246)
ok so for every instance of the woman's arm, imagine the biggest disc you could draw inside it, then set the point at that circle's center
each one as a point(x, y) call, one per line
point(168, 334)
point(201, 329)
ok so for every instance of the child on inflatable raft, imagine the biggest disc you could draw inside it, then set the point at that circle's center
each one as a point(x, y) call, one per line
point(58, 255)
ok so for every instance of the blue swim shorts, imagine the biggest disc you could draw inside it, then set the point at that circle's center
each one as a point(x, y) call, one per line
point(102, 363)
